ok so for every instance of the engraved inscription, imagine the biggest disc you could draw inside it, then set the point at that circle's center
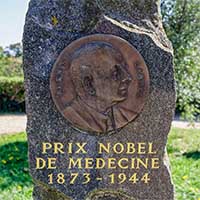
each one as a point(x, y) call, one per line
point(141, 81)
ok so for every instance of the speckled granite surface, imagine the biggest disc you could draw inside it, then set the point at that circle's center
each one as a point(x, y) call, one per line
point(50, 26)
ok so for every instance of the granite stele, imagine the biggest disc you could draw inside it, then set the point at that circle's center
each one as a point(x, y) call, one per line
point(100, 98)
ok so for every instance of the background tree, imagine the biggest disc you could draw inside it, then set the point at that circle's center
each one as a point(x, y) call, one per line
point(13, 50)
point(1, 52)
point(182, 24)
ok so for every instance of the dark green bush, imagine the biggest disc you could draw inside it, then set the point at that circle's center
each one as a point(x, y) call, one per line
point(11, 66)
point(12, 94)
point(11, 84)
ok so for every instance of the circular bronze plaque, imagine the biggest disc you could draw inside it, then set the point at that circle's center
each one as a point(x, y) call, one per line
point(99, 83)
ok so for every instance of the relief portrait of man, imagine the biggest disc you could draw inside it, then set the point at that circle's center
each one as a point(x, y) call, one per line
point(99, 83)
point(101, 80)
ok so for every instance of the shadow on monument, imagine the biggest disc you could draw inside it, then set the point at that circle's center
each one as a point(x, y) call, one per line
point(195, 155)
point(14, 165)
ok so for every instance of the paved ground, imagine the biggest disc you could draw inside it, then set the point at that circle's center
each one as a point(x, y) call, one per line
point(17, 123)
point(12, 123)
point(186, 125)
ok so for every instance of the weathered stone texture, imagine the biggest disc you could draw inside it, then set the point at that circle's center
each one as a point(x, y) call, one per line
point(53, 24)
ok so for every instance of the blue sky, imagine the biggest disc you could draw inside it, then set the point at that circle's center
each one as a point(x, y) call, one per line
point(12, 17)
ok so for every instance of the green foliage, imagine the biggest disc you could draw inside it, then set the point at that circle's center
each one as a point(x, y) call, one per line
point(11, 84)
point(1, 52)
point(182, 24)
point(10, 66)
point(184, 153)
point(11, 94)
point(15, 181)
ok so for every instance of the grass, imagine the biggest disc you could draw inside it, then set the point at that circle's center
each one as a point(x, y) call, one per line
point(184, 152)
point(15, 181)
point(183, 148)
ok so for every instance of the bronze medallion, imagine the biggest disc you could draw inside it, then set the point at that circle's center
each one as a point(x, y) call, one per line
point(99, 83)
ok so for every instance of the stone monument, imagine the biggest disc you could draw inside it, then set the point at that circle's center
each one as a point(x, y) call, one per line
point(100, 97)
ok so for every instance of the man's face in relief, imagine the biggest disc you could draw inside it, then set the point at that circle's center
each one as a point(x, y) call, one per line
point(111, 79)
point(100, 76)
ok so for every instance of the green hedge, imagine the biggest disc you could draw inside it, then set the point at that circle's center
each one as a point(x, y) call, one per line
point(12, 94)
point(11, 67)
